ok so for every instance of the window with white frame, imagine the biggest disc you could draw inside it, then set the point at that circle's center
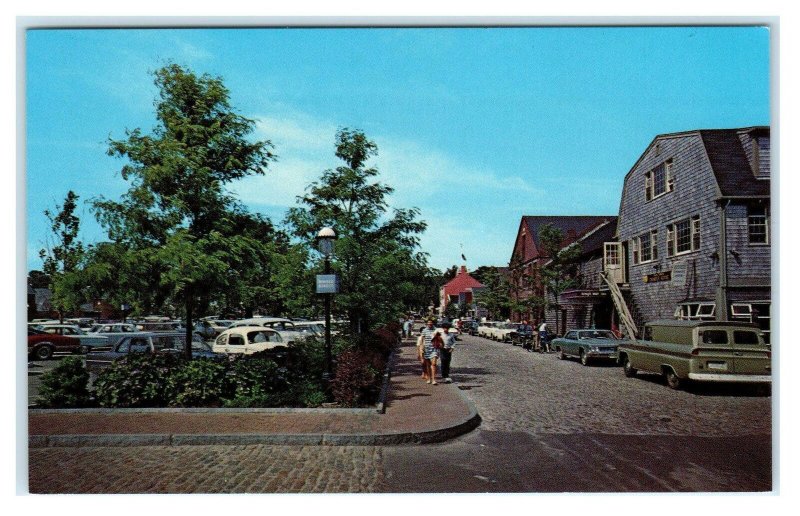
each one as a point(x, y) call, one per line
point(758, 313)
point(645, 247)
point(758, 225)
point(683, 236)
point(659, 181)
point(696, 311)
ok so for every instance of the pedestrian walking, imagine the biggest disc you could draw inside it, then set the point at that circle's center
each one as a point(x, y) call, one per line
point(421, 356)
point(408, 325)
point(430, 352)
point(526, 334)
point(544, 344)
point(448, 344)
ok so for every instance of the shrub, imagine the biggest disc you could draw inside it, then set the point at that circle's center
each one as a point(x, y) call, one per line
point(357, 380)
point(257, 381)
point(65, 386)
point(138, 380)
point(196, 383)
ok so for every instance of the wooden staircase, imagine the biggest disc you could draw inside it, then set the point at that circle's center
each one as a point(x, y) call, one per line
point(628, 326)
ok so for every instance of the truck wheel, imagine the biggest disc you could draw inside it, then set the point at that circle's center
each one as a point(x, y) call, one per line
point(43, 352)
point(629, 371)
point(673, 382)
point(584, 359)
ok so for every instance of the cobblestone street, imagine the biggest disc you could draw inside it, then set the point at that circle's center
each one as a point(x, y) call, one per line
point(548, 426)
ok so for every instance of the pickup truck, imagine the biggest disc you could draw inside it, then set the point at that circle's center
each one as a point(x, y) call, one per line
point(701, 351)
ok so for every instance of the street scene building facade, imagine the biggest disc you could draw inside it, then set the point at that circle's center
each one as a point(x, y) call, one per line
point(581, 306)
point(692, 240)
point(694, 227)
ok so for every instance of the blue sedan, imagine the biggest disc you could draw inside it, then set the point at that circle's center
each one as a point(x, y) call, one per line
point(587, 345)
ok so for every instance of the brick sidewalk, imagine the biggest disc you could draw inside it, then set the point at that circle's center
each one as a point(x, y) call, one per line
point(416, 412)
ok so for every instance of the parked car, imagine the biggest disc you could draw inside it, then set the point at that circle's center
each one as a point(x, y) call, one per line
point(83, 322)
point(248, 340)
point(486, 329)
point(87, 341)
point(112, 331)
point(313, 329)
point(502, 332)
point(522, 336)
point(282, 325)
point(43, 345)
point(702, 351)
point(587, 345)
point(149, 342)
point(160, 326)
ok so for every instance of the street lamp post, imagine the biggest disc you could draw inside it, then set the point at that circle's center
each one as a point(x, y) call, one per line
point(325, 239)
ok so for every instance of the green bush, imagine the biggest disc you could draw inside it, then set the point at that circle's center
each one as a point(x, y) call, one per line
point(196, 383)
point(65, 386)
point(258, 381)
point(158, 380)
point(138, 380)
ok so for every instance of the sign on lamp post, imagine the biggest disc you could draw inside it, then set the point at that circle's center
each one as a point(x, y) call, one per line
point(327, 285)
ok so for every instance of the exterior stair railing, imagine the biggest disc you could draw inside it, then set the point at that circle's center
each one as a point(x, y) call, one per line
point(628, 326)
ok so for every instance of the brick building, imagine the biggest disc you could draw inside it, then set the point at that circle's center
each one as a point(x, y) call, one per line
point(583, 306)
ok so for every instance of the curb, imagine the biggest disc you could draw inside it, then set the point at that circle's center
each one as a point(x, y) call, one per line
point(127, 440)
point(374, 439)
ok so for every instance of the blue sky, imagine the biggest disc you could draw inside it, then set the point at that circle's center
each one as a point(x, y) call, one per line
point(476, 127)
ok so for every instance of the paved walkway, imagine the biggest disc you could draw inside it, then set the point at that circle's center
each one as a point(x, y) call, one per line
point(415, 412)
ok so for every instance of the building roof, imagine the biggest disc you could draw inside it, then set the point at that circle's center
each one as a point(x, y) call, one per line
point(461, 283)
point(573, 227)
point(730, 164)
point(593, 240)
point(727, 157)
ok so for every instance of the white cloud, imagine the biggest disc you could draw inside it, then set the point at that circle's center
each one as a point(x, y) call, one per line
point(461, 204)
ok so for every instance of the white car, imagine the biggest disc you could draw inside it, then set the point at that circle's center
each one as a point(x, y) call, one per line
point(486, 329)
point(248, 340)
point(503, 331)
point(282, 325)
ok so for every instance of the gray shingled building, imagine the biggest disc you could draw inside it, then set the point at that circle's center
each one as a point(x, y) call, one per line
point(693, 232)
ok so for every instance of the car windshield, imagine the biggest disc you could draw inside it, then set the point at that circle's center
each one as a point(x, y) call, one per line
point(597, 334)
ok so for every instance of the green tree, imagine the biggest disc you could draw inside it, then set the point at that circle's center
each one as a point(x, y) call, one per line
point(558, 274)
point(62, 257)
point(527, 296)
point(450, 273)
point(495, 298)
point(176, 215)
point(375, 254)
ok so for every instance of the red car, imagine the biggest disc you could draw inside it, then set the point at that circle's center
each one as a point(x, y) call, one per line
point(42, 345)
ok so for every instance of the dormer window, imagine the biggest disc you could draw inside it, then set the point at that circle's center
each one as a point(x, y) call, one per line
point(659, 181)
